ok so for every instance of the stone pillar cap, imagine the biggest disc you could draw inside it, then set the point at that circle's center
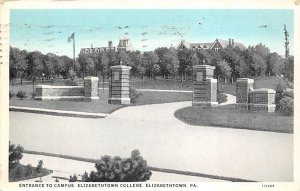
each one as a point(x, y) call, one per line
point(121, 67)
point(245, 79)
point(264, 90)
point(204, 67)
point(212, 80)
point(91, 78)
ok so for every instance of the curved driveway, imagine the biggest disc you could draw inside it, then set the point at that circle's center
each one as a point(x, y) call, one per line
point(163, 141)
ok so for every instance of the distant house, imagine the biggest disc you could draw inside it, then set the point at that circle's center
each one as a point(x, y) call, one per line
point(124, 45)
point(217, 45)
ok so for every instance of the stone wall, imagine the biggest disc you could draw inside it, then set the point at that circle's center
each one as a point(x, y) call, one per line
point(248, 99)
point(87, 92)
point(46, 92)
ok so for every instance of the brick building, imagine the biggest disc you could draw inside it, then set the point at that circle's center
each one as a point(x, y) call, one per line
point(124, 45)
point(216, 45)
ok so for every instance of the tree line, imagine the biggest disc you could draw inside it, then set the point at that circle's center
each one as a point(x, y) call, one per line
point(230, 63)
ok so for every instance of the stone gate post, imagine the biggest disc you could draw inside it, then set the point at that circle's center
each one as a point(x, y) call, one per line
point(119, 85)
point(243, 88)
point(205, 86)
point(91, 88)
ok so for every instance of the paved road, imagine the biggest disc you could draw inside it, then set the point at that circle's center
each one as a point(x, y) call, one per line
point(162, 139)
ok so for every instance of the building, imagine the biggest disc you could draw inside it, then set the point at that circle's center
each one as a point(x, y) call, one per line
point(124, 45)
point(216, 45)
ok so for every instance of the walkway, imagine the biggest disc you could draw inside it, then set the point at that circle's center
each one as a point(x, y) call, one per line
point(162, 139)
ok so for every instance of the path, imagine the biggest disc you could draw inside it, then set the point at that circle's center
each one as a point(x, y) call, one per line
point(162, 139)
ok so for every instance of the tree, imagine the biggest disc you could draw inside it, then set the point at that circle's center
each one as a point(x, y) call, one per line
point(224, 69)
point(274, 64)
point(151, 59)
point(86, 64)
point(187, 59)
point(136, 58)
point(17, 63)
point(289, 68)
point(36, 66)
point(15, 154)
point(286, 44)
point(259, 65)
point(102, 65)
point(123, 58)
point(169, 62)
point(236, 61)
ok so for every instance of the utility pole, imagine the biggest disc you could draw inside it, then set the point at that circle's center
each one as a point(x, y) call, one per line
point(72, 37)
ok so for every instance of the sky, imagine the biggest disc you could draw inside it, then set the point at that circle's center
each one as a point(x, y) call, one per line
point(47, 30)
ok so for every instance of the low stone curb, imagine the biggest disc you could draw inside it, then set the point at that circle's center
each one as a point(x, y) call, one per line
point(58, 112)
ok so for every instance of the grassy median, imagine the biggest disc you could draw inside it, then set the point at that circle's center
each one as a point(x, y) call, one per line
point(226, 116)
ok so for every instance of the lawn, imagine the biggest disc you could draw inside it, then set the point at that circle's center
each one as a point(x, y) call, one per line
point(98, 106)
point(162, 97)
point(226, 116)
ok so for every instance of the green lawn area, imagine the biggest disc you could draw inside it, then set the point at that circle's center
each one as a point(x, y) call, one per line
point(162, 97)
point(98, 106)
point(227, 116)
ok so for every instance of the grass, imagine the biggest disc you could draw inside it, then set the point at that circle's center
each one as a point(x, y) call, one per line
point(227, 116)
point(162, 97)
point(98, 106)
point(20, 172)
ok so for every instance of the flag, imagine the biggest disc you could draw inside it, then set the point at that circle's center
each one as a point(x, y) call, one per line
point(71, 37)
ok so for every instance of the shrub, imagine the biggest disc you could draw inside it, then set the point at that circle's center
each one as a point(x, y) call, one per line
point(29, 170)
point(286, 105)
point(21, 94)
point(11, 94)
point(133, 169)
point(33, 94)
point(134, 95)
point(221, 97)
point(281, 86)
point(73, 178)
point(15, 154)
point(39, 167)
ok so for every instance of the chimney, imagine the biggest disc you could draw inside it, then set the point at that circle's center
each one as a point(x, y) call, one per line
point(110, 44)
point(232, 42)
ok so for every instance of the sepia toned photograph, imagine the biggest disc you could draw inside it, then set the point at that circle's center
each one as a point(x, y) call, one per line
point(156, 97)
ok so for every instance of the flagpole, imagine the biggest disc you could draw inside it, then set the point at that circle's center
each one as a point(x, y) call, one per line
point(74, 51)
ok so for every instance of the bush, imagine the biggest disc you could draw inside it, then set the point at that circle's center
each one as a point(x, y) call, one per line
point(33, 94)
point(21, 94)
point(15, 155)
point(133, 169)
point(286, 105)
point(39, 167)
point(73, 178)
point(221, 97)
point(29, 170)
point(11, 94)
point(134, 95)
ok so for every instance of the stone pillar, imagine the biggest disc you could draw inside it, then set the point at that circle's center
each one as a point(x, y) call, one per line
point(205, 87)
point(262, 100)
point(91, 88)
point(119, 85)
point(243, 88)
